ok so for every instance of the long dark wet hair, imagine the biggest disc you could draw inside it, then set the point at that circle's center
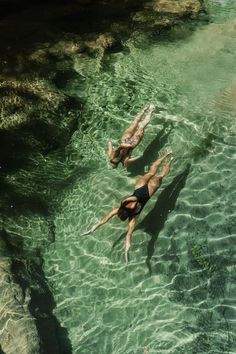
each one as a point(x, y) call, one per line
point(124, 212)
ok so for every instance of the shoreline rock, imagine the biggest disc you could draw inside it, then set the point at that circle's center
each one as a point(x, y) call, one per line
point(18, 327)
point(27, 321)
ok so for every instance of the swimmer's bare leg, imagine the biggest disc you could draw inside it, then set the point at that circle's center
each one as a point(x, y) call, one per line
point(144, 179)
point(155, 182)
point(166, 169)
point(158, 162)
point(148, 117)
point(129, 132)
point(139, 133)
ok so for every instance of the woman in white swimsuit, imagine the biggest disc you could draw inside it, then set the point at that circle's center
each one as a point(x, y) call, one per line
point(130, 139)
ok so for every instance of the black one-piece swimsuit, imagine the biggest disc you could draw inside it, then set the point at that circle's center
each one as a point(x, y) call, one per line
point(142, 195)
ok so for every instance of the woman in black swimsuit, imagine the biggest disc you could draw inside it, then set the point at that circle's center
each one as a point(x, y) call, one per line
point(132, 206)
point(130, 139)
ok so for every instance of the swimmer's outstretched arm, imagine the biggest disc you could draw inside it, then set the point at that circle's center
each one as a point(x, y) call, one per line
point(110, 148)
point(128, 236)
point(102, 222)
point(128, 160)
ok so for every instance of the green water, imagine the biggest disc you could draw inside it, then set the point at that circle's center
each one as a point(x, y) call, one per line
point(177, 294)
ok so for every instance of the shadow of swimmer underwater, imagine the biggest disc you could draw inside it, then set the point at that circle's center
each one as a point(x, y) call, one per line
point(131, 206)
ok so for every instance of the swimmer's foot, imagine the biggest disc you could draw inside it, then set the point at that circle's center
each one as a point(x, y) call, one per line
point(151, 107)
point(146, 107)
point(168, 152)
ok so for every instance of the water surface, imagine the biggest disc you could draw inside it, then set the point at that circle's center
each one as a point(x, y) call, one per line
point(177, 294)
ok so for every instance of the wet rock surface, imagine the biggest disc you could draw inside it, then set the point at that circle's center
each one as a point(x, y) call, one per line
point(26, 302)
point(18, 327)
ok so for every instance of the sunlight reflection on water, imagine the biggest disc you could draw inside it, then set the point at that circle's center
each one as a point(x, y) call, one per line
point(185, 233)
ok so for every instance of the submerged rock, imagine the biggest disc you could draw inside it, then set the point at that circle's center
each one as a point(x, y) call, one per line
point(180, 8)
point(34, 113)
point(166, 13)
point(26, 304)
point(18, 98)
point(18, 327)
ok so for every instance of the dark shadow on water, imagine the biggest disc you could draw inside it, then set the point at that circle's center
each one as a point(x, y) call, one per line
point(43, 21)
point(154, 222)
point(202, 150)
point(1, 351)
point(15, 150)
point(13, 201)
point(151, 153)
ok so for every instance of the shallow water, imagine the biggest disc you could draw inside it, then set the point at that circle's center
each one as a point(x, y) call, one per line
point(177, 294)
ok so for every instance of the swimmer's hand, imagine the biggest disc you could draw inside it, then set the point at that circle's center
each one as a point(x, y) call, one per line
point(89, 231)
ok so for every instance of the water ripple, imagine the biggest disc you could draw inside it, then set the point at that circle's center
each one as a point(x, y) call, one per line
point(176, 295)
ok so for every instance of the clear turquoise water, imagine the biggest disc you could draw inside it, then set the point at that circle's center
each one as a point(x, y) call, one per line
point(177, 294)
